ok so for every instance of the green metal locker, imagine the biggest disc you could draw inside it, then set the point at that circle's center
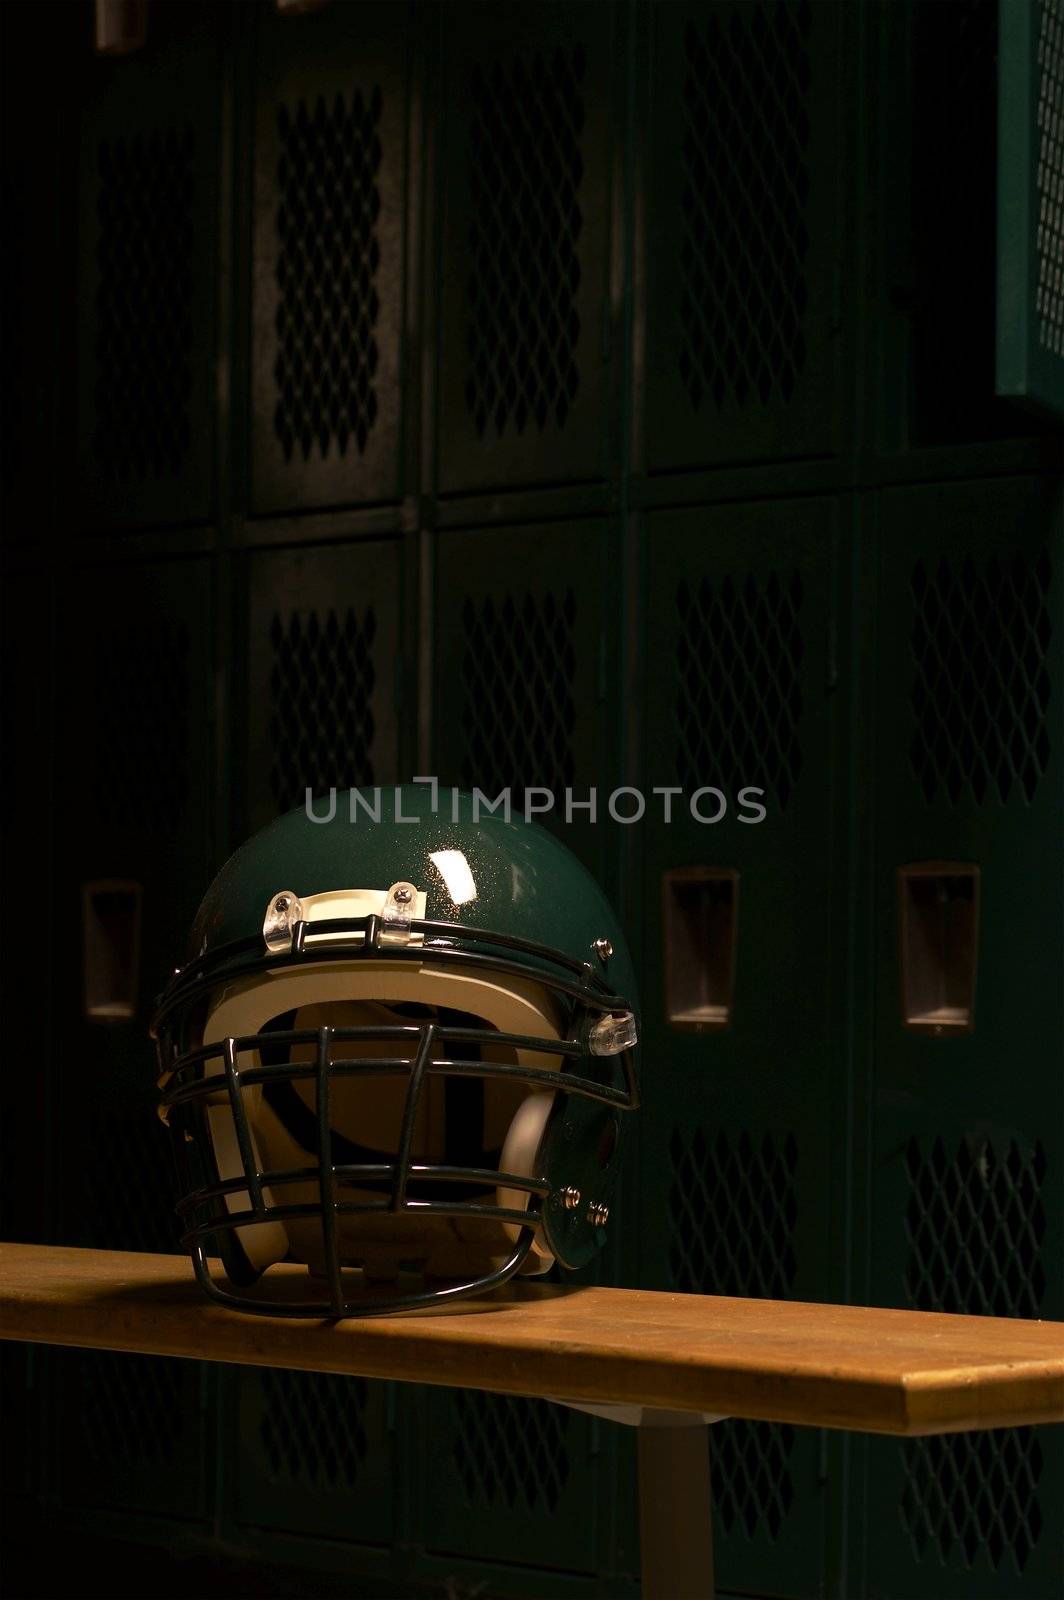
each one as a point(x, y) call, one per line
point(968, 1114)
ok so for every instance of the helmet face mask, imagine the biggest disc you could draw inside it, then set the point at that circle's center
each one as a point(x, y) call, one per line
point(411, 1108)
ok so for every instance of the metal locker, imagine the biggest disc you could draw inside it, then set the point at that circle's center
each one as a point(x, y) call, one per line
point(495, 1467)
point(322, 676)
point(133, 850)
point(742, 254)
point(147, 270)
point(321, 687)
point(314, 1456)
point(742, 1143)
point(329, 255)
point(523, 669)
point(968, 1134)
point(526, 173)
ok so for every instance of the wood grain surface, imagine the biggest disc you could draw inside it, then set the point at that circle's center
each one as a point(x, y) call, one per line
point(854, 1367)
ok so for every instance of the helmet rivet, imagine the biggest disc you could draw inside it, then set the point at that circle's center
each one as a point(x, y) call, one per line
point(597, 1214)
point(570, 1197)
point(603, 949)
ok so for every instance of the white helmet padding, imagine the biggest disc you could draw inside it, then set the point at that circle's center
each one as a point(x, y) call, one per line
point(366, 1110)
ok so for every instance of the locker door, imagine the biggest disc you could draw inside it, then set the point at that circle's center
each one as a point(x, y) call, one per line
point(132, 823)
point(744, 248)
point(522, 670)
point(330, 166)
point(321, 675)
point(496, 1467)
point(741, 1149)
point(322, 672)
point(314, 1456)
point(968, 1154)
point(526, 184)
point(148, 232)
point(27, 613)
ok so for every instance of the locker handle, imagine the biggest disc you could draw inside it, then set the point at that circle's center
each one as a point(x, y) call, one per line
point(700, 911)
point(938, 919)
point(110, 948)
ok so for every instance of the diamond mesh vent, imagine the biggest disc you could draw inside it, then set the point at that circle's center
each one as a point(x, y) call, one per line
point(518, 672)
point(733, 1207)
point(981, 689)
point(313, 1428)
point(972, 1496)
point(745, 187)
point(321, 702)
point(144, 304)
point(328, 255)
point(132, 1187)
point(739, 695)
point(526, 172)
point(130, 1407)
point(976, 1223)
point(753, 1486)
point(511, 1452)
point(1050, 296)
point(141, 746)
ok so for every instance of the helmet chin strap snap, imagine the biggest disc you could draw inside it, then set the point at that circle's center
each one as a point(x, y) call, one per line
point(400, 904)
point(285, 909)
point(612, 1034)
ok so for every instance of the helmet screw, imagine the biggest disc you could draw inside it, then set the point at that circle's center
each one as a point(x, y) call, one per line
point(402, 896)
point(570, 1197)
point(597, 1214)
point(281, 903)
point(603, 949)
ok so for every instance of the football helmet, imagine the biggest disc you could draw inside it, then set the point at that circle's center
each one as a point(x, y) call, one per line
point(399, 1054)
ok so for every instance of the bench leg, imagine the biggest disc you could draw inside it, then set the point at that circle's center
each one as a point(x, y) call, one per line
point(675, 1513)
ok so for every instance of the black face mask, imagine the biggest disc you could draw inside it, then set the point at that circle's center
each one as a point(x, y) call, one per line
point(463, 1110)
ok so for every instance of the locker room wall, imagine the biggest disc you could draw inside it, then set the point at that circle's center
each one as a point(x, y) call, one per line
point(571, 394)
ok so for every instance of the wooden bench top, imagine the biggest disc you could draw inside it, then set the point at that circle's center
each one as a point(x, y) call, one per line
point(855, 1367)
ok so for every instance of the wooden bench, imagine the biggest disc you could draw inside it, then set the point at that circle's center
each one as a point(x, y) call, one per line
point(667, 1363)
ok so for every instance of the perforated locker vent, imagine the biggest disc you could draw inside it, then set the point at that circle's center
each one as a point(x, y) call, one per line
point(132, 1188)
point(130, 1407)
point(143, 384)
point(141, 739)
point(519, 711)
point(981, 688)
point(739, 700)
point(313, 1428)
point(733, 1207)
point(322, 683)
point(745, 187)
point(526, 218)
point(1050, 178)
point(510, 1452)
point(972, 1496)
point(328, 255)
point(975, 1222)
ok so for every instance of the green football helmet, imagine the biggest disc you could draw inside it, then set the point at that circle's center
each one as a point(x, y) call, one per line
point(397, 1056)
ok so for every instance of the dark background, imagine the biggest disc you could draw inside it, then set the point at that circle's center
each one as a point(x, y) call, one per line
point(568, 394)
